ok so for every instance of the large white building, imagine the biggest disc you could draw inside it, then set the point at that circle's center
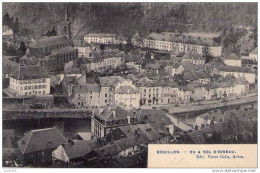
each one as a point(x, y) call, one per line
point(182, 43)
point(104, 38)
point(30, 80)
point(127, 95)
point(101, 61)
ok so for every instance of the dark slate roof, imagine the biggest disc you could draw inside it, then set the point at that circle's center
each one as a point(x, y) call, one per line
point(108, 150)
point(8, 133)
point(126, 90)
point(197, 137)
point(110, 80)
point(49, 41)
point(146, 131)
point(107, 113)
point(41, 139)
point(233, 56)
point(236, 69)
point(125, 143)
point(193, 55)
point(9, 66)
point(87, 88)
point(30, 72)
point(153, 116)
point(78, 148)
point(63, 50)
point(100, 35)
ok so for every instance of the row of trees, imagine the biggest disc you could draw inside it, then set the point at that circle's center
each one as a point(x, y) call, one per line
point(12, 22)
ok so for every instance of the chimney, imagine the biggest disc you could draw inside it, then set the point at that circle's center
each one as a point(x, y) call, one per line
point(114, 113)
point(71, 142)
point(128, 119)
point(128, 90)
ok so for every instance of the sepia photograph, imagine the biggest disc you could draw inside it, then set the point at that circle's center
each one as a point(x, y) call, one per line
point(101, 84)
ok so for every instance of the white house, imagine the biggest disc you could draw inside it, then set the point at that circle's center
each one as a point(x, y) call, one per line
point(176, 69)
point(127, 96)
point(232, 60)
point(30, 80)
point(237, 72)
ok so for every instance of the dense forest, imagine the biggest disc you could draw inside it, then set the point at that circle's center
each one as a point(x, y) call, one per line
point(128, 18)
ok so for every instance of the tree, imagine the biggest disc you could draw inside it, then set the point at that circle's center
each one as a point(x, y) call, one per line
point(207, 54)
point(16, 26)
point(102, 47)
point(53, 32)
point(7, 20)
point(22, 48)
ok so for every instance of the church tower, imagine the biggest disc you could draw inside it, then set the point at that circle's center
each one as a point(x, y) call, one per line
point(65, 26)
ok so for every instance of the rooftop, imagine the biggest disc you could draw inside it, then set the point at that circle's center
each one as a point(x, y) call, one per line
point(100, 35)
point(30, 72)
point(48, 41)
point(41, 139)
point(236, 69)
point(233, 56)
point(126, 90)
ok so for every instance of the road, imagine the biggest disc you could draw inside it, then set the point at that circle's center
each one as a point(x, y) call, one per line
point(207, 104)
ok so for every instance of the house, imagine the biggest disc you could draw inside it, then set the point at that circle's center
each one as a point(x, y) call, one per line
point(110, 117)
point(237, 72)
point(181, 43)
point(196, 76)
point(84, 49)
point(37, 146)
point(108, 85)
point(74, 152)
point(232, 60)
point(7, 31)
point(176, 69)
point(253, 55)
point(193, 58)
point(30, 80)
point(104, 61)
point(104, 38)
point(127, 95)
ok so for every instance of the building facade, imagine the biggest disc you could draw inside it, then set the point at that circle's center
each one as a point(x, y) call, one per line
point(30, 80)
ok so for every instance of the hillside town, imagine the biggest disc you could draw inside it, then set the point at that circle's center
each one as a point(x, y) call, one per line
point(98, 101)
